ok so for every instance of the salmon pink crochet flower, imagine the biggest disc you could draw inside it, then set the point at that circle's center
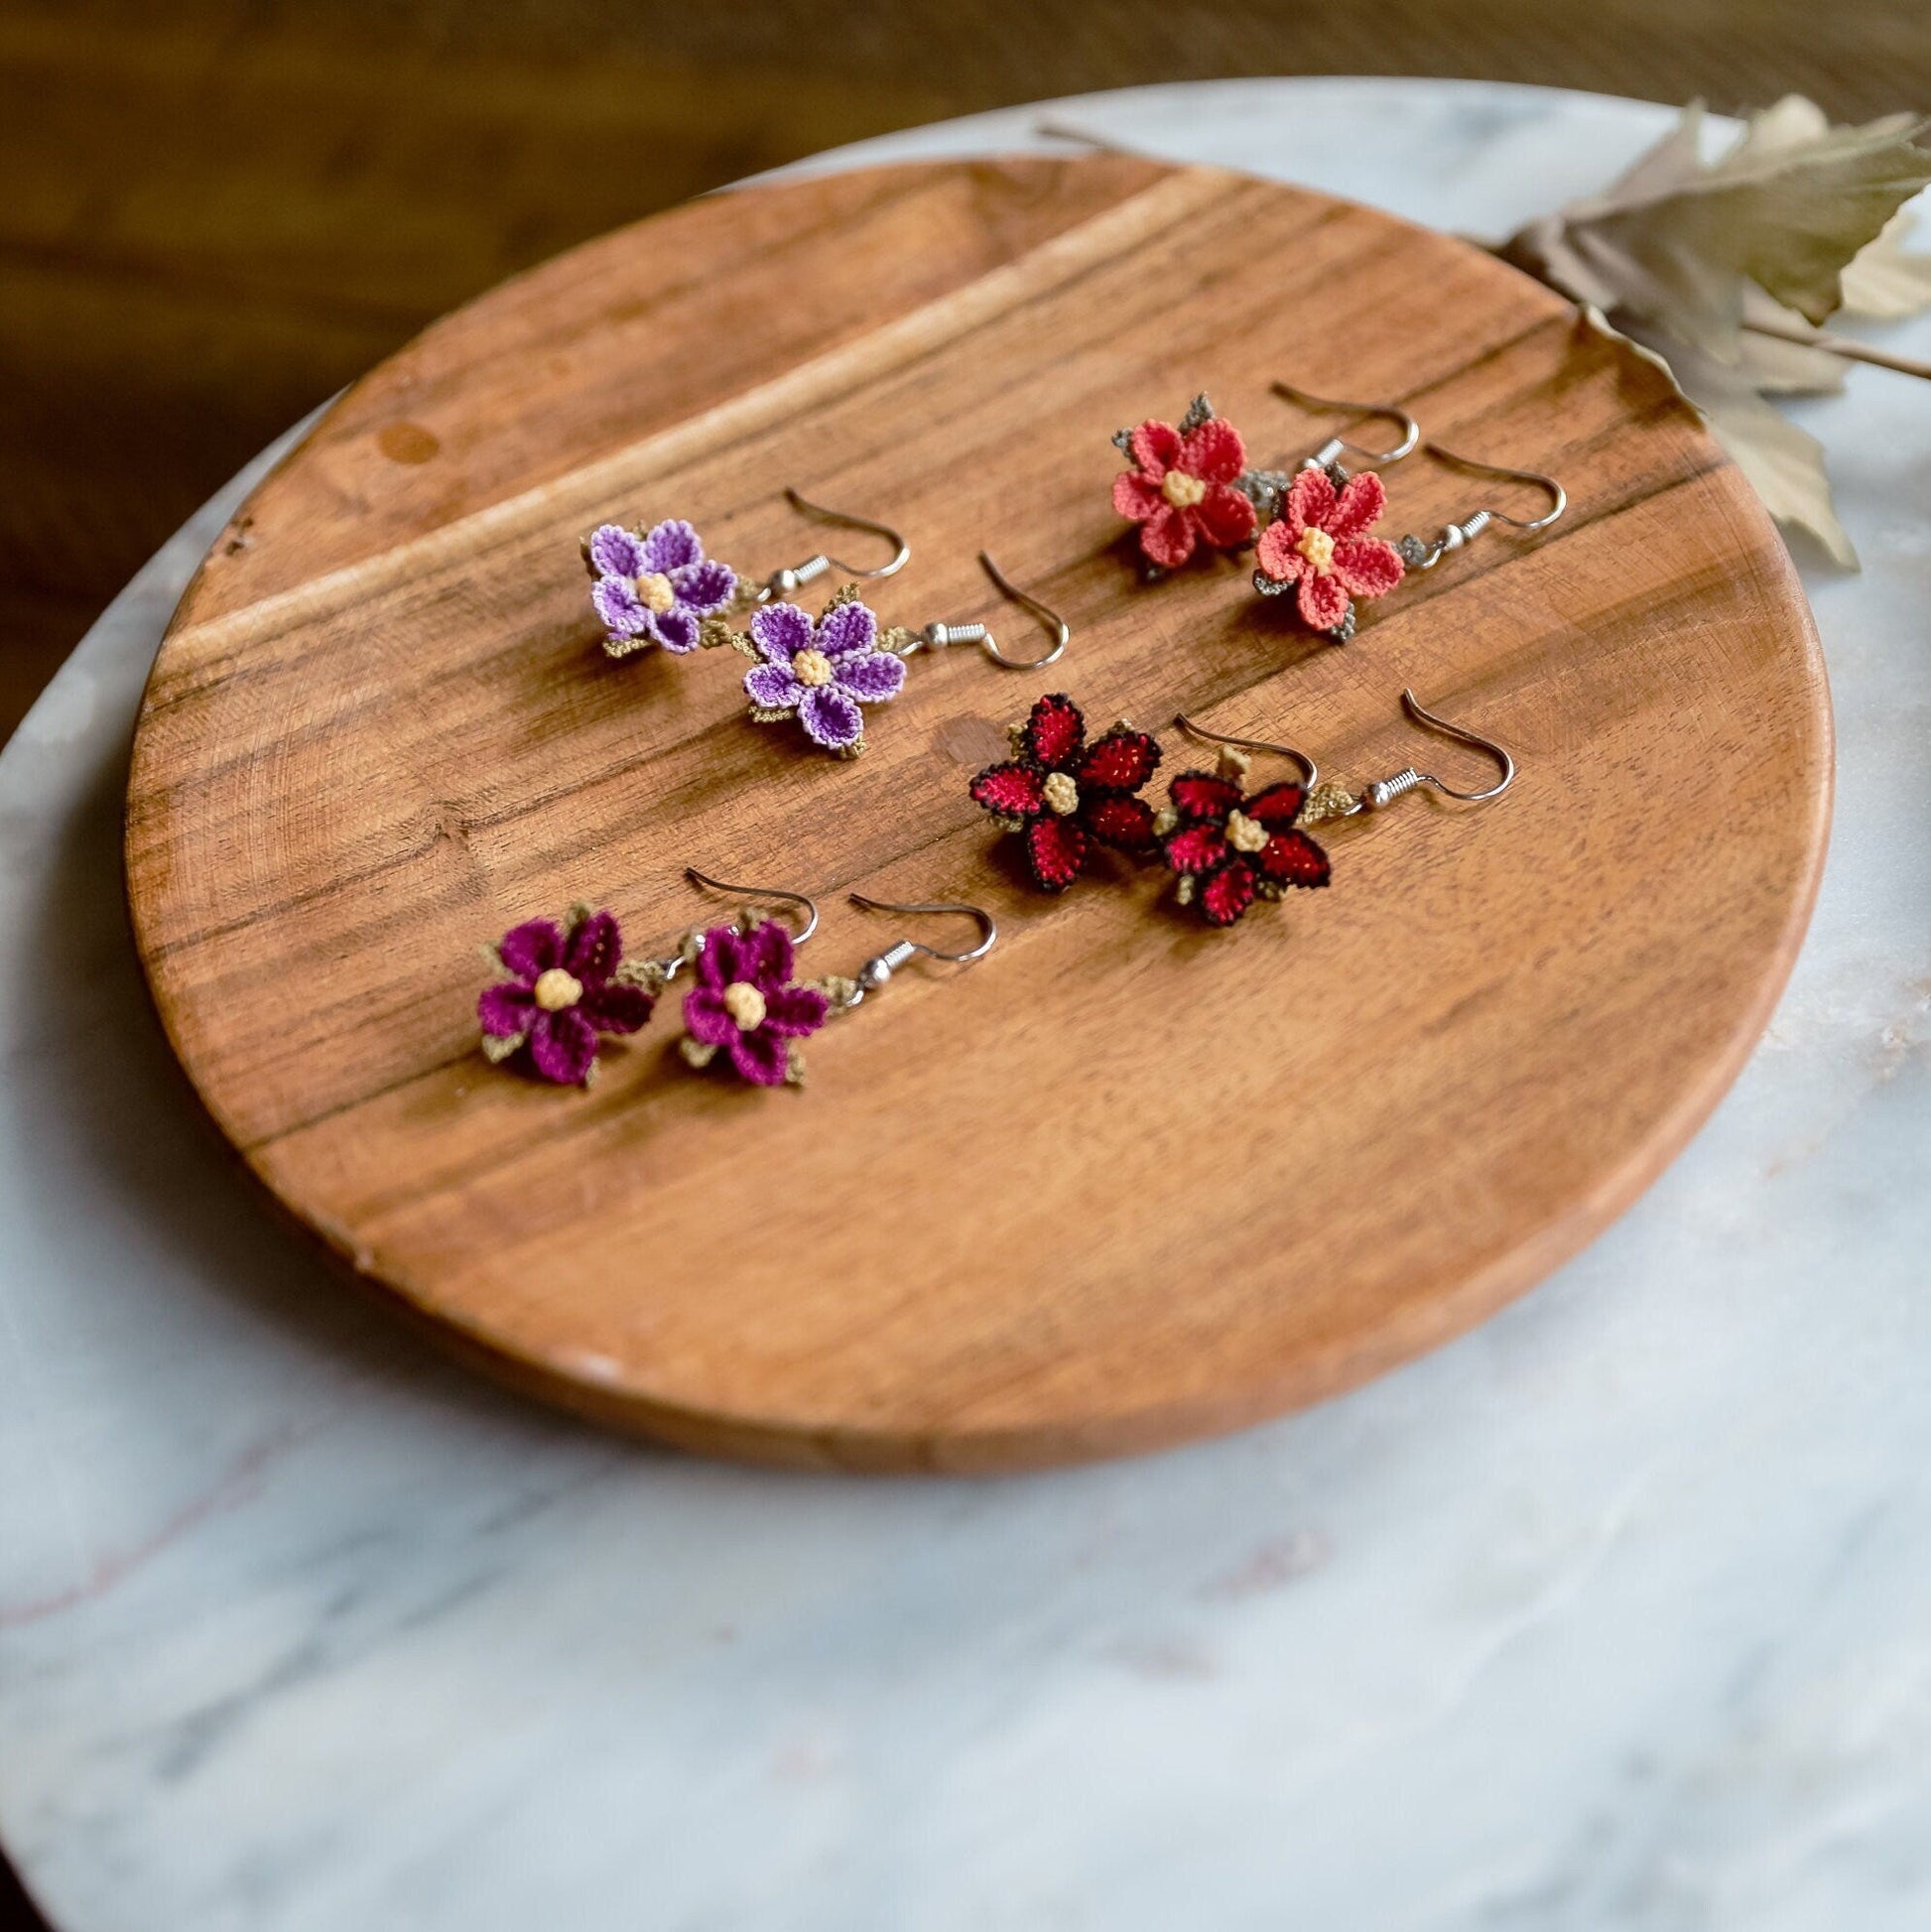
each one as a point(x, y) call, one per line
point(1229, 849)
point(821, 673)
point(1321, 542)
point(1061, 794)
point(657, 588)
point(565, 988)
point(1181, 489)
point(745, 1006)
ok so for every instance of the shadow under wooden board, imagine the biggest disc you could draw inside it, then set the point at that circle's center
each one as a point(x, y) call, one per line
point(1129, 1180)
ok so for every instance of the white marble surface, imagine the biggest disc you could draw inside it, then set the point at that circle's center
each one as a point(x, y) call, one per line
point(1615, 1613)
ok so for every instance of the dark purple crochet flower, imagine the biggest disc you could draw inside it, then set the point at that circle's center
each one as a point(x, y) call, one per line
point(657, 589)
point(564, 990)
point(745, 1005)
point(822, 672)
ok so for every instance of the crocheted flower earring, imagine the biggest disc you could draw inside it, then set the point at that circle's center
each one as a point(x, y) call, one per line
point(1230, 847)
point(1063, 796)
point(568, 983)
point(1186, 488)
point(657, 585)
point(822, 673)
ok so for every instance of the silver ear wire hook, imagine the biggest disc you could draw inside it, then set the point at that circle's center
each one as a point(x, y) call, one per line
point(781, 583)
point(875, 972)
point(935, 637)
point(1384, 792)
point(1420, 555)
point(810, 904)
point(1301, 758)
point(1332, 448)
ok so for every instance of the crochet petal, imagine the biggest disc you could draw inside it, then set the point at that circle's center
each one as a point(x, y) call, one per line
point(1010, 791)
point(1121, 760)
point(616, 601)
point(831, 719)
point(1276, 556)
point(618, 1008)
point(563, 1046)
point(1056, 849)
point(676, 630)
point(593, 947)
point(615, 551)
point(763, 1057)
point(1311, 501)
point(703, 586)
point(1167, 537)
point(706, 1018)
point(766, 955)
point(721, 959)
point(1213, 451)
point(850, 627)
point(671, 545)
point(792, 1012)
point(1292, 858)
point(871, 676)
point(781, 631)
point(531, 948)
point(1156, 448)
point(1324, 603)
point(1126, 822)
point(1204, 795)
point(1277, 807)
point(1366, 567)
point(1055, 732)
point(773, 687)
point(1359, 507)
point(506, 1010)
point(1195, 849)
point(1137, 497)
point(1227, 517)
point(1227, 894)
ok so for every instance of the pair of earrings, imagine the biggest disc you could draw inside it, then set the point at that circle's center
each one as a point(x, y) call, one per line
point(658, 586)
point(1225, 847)
point(1190, 489)
point(567, 982)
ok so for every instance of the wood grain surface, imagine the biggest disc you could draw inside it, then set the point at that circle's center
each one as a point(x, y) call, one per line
point(1128, 1180)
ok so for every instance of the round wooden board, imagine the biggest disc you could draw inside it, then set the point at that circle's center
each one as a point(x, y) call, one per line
point(1128, 1181)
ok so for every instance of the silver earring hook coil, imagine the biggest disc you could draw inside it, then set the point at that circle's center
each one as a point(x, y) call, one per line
point(936, 637)
point(1310, 771)
point(1424, 556)
point(781, 583)
point(1384, 792)
point(876, 971)
point(800, 935)
point(1335, 445)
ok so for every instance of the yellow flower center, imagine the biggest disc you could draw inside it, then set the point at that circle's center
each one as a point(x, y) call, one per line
point(655, 589)
point(1319, 549)
point(811, 667)
point(558, 990)
point(1180, 490)
point(1062, 795)
point(745, 1005)
point(1245, 835)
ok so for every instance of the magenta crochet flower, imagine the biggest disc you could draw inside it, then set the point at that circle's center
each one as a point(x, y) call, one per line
point(822, 672)
point(564, 990)
point(654, 589)
point(745, 1004)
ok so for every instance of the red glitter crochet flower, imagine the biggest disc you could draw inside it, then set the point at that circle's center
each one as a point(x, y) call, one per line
point(1321, 542)
point(1229, 849)
point(1062, 794)
point(1181, 489)
point(564, 990)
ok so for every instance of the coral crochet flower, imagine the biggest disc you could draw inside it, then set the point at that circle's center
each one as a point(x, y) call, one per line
point(746, 1006)
point(655, 588)
point(821, 673)
point(1229, 849)
point(1321, 542)
point(1061, 794)
point(566, 985)
point(1181, 489)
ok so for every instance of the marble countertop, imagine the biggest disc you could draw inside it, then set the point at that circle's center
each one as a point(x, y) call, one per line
point(1614, 1613)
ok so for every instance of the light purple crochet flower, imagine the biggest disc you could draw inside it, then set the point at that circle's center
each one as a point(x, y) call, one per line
point(745, 1005)
point(564, 990)
point(822, 672)
point(655, 588)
